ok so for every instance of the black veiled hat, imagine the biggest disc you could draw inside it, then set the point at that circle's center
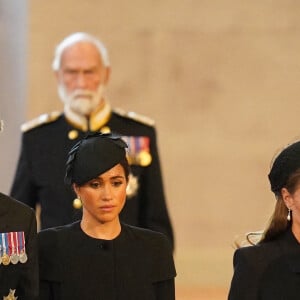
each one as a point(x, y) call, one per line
point(286, 163)
point(92, 156)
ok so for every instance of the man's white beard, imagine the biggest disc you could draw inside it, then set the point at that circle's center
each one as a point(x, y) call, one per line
point(82, 102)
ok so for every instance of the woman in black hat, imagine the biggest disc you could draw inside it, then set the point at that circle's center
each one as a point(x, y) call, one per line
point(271, 269)
point(99, 257)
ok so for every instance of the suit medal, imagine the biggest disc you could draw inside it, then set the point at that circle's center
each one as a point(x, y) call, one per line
point(11, 295)
point(138, 150)
point(14, 258)
point(132, 186)
point(5, 259)
point(13, 247)
point(21, 245)
point(23, 257)
point(144, 158)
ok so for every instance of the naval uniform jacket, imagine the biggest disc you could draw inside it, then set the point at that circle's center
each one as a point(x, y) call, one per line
point(23, 278)
point(138, 264)
point(267, 271)
point(41, 168)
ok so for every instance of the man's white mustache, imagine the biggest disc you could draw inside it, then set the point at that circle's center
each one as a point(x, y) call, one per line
point(82, 93)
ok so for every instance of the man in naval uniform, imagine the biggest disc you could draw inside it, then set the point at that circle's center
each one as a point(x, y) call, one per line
point(18, 250)
point(82, 68)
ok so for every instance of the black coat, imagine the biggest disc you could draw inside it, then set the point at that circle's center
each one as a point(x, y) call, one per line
point(21, 277)
point(136, 265)
point(41, 169)
point(268, 271)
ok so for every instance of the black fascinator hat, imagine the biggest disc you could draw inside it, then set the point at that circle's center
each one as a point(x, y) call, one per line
point(92, 156)
point(286, 163)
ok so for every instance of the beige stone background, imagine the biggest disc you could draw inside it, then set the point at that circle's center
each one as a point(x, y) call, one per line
point(221, 79)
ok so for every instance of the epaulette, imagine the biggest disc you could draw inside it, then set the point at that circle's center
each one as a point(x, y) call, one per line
point(134, 116)
point(40, 120)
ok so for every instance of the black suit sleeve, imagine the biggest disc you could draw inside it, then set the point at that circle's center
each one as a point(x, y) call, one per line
point(165, 290)
point(164, 271)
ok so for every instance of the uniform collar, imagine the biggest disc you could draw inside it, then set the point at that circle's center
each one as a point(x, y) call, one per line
point(94, 123)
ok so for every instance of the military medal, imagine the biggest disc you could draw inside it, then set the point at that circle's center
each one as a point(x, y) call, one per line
point(22, 250)
point(14, 258)
point(132, 186)
point(144, 158)
point(5, 256)
point(13, 250)
point(138, 150)
point(5, 259)
point(11, 295)
point(23, 257)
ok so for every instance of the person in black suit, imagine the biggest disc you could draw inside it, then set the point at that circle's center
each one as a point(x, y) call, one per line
point(100, 257)
point(82, 69)
point(271, 268)
point(18, 250)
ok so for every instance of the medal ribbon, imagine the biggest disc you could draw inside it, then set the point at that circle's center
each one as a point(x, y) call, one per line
point(136, 143)
point(145, 143)
point(10, 243)
point(15, 237)
point(4, 242)
point(21, 240)
point(138, 150)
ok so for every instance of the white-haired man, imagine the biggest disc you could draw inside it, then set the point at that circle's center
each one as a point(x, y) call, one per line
point(82, 69)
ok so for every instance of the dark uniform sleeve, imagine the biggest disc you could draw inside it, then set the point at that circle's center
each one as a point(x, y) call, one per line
point(243, 284)
point(154, 212)
point(23, 187)
point(30, 275)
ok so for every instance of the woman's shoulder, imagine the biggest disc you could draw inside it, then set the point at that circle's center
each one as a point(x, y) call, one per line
point(56, 233)
point(146, 241)
point(144, 235)
point(152, 249)
point(264, 251)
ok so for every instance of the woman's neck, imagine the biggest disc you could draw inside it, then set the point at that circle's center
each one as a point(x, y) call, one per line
point(105, 231)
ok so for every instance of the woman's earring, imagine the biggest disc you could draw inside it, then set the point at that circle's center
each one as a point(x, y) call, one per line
point(289, 215)
point(77, 204)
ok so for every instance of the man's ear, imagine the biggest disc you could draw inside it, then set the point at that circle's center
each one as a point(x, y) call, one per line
point(56, 75)
point(107, 75)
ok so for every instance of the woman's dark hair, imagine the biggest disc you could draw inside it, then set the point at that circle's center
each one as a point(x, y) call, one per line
point(278, 223)
point(124, 163)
